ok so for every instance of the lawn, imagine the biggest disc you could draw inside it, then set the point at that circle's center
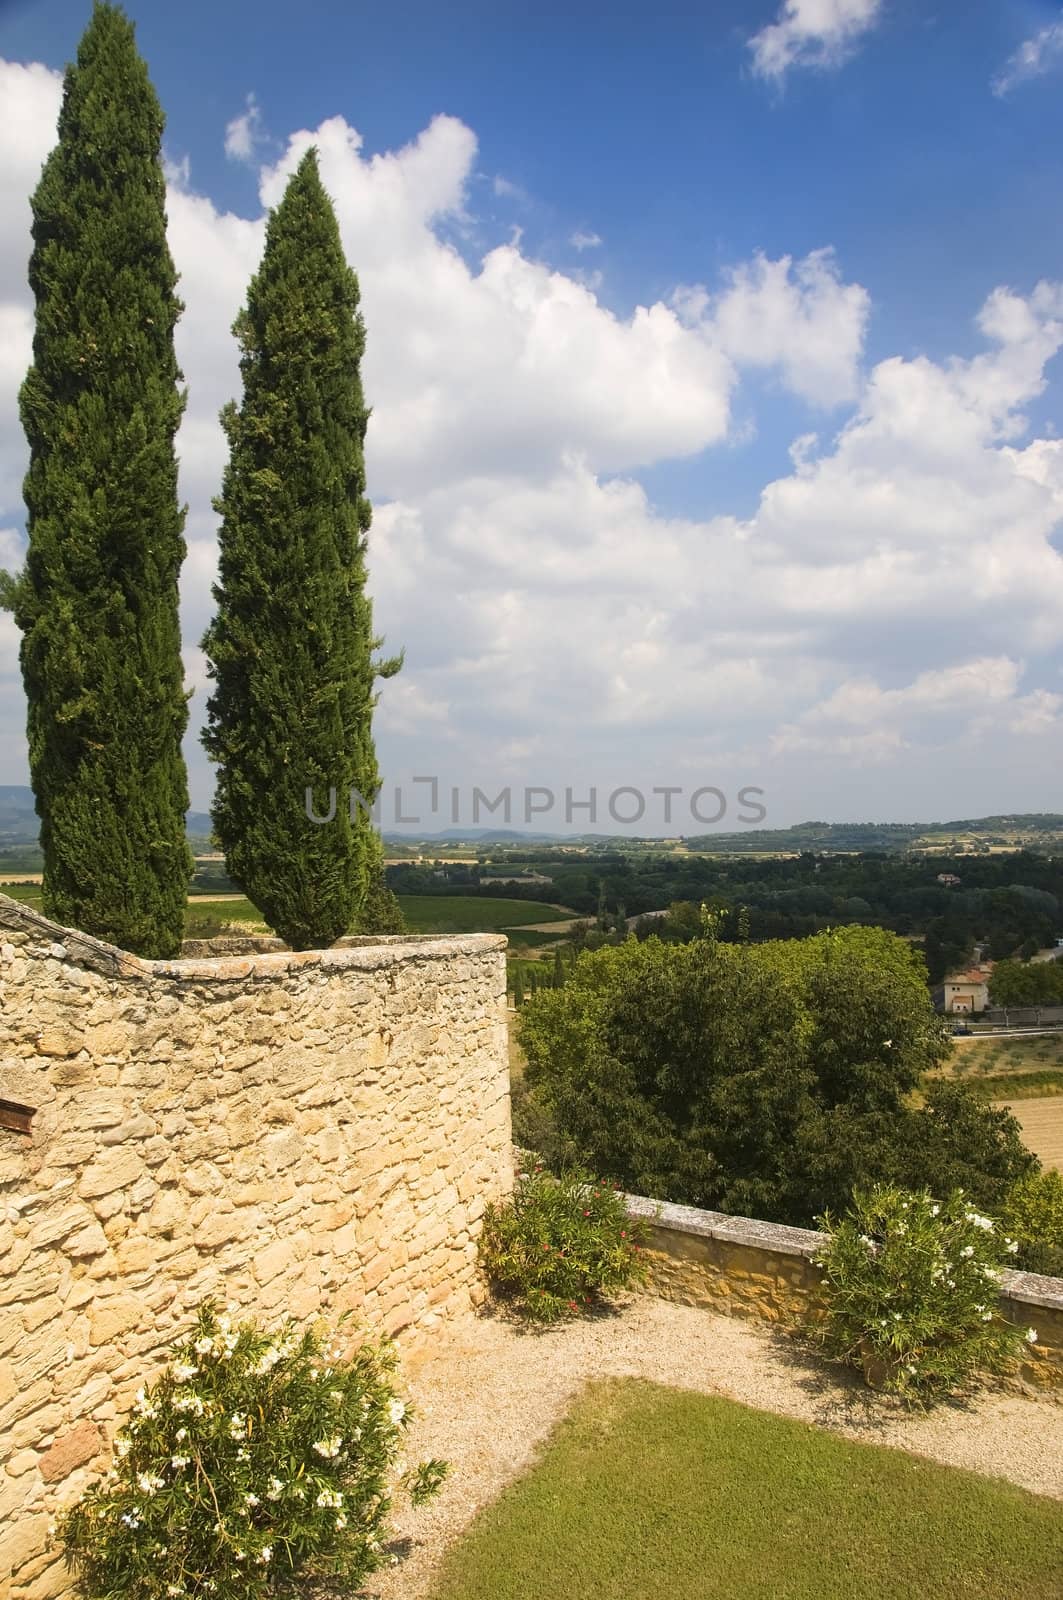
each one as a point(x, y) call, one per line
point(661, 1494)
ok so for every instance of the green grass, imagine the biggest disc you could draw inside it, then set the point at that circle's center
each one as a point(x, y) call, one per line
point(456, 913)
point(424, 913)
point(1017, 1085)
point(646, 1493)
point(205, 918)
point(28, 893)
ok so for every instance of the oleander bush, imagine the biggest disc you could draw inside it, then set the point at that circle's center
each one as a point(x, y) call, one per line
point(910, 1285)
point(560, 1244)
point(255, 1458)
point(1033, 1214)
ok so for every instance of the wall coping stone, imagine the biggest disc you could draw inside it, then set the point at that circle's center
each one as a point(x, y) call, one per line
point(374, 953)
point(1030, 1288)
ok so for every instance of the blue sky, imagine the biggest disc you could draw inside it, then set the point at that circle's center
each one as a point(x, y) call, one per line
point(601, 579)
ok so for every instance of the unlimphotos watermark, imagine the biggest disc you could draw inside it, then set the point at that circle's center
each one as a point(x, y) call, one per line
point(626, 805)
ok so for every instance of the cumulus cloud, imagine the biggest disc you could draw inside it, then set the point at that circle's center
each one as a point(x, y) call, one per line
point(555, 620)
point(245, 133)
point(812, 33)
point(1033, 58)
point(980, 696)
point(799, 318)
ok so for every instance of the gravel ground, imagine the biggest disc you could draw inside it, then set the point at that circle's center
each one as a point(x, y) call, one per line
point(489, 1392)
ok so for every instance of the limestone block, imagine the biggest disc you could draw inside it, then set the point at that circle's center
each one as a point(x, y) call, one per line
point(59, 1042)
point(73, 1449)
point(109, 1319)
point(115, 1169)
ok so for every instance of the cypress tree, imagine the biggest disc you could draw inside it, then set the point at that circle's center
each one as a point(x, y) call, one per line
point(291, 648)
point(97, 599)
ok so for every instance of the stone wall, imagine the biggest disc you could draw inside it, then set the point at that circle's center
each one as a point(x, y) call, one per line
point(745, 1268)
point(300, 1133)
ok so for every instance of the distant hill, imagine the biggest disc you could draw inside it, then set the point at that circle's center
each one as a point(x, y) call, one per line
point(1041, 830)
point(19, 822)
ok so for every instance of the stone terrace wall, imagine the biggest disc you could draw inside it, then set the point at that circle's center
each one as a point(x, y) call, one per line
point(296, 1133)
point(745, 1268)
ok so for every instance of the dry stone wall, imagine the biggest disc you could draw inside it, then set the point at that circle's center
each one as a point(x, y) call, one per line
point(290, 1133)
point(763, 1270)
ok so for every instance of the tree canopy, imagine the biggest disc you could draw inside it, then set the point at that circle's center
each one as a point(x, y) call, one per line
point(764, 1080)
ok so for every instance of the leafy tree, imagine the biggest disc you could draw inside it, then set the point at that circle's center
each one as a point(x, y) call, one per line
point(1018, 983)
point(97, 601)
point(959, 1142)
point(291, 649)
point(760, 1079)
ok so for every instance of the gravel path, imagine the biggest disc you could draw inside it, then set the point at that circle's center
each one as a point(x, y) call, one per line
point(489, 1392)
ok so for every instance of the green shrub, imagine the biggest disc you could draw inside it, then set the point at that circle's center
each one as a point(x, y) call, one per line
point(911, 1292)
point(559, 1244)
point(255, 1457)
point(1033, 1214)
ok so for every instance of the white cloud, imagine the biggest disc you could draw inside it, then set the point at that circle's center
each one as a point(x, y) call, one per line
point(799, 318)
point(583, 239)
point(812, 33)
point(1032, 59)
point(245, 133)
point(981, 696)
point(557, 625)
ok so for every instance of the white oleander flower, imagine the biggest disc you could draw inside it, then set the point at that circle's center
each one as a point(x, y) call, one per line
point(275, 1490)
point(237, 1425)
point(967, 1251)
point(180, 1461)
point(204, 1346)
point(329, 1497)
point(328, 1448)
point(934, 1210)
point(251, 1499)
point(265, 1554)
point(184, 1370)
point(396, 1411)
point(1031, 1336)
point(181, 1434)
point(341, 1522)
point(1011, 1245)
point(149, 1483)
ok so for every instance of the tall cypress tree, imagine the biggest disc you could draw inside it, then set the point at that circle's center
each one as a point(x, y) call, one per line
point(291, 648)
point(97, 599)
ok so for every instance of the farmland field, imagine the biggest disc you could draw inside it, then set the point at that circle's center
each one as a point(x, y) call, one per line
point(455, 913)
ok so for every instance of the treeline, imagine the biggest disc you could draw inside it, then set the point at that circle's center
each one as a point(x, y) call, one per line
point(1009, 903)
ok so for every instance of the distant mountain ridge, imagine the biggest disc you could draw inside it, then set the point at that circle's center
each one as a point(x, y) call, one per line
point(19, 824)
point(19, 827)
